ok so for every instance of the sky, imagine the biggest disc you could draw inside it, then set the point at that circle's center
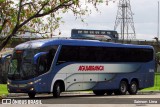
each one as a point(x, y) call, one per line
point(145, 19)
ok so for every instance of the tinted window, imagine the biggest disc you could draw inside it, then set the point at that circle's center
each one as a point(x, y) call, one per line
point(104, 54)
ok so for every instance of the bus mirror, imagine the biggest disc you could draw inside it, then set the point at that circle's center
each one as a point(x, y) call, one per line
point(36, 57)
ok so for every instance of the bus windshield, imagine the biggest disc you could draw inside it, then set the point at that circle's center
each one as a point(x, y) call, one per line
point(21, 66)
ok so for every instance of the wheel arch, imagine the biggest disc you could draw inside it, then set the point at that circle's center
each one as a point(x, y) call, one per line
point(62, 84)
point(126, 80)
point(136, 80)
point(120, 90)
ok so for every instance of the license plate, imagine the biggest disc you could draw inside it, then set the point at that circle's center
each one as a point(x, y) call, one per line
point(18, 90)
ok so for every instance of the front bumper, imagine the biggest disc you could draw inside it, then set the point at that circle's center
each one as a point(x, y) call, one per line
point(20, 88)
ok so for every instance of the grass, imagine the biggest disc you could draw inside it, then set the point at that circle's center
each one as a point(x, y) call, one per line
point(156, 84)
point(3, 89)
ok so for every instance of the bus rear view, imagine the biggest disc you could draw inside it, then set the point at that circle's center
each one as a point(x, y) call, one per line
point(58, 65)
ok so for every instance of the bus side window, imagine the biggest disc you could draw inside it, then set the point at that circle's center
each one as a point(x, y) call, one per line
point(83, 54)
point(50, 57)
point(63, 55)
point(68, 54)
point(42, 64)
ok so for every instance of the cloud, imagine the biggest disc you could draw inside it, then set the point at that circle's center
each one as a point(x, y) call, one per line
point(144, 37)
point(145, 18)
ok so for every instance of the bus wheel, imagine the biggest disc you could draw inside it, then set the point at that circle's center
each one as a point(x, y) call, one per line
point(109, 92)
point(56, 90)
point(122, 88)
point(133, 88)
point(99, 92)
point(31, 95)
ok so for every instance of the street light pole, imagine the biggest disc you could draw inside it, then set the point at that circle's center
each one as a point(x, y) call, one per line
point(158, 23)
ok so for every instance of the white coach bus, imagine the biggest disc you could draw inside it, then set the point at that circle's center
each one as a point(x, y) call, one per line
point(58, 65)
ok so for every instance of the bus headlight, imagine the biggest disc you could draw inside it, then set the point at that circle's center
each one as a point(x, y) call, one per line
point(31, 89)
point(30, 83)
point(8, 83)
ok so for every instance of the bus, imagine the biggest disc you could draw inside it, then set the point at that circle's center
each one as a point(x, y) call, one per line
point(59, 65)
point(4, 64)
point(94, 34)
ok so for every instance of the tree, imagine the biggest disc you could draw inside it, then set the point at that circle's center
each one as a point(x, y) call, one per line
point(36, 16)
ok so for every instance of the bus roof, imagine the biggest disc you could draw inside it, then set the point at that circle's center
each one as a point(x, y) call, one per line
point(75, 42)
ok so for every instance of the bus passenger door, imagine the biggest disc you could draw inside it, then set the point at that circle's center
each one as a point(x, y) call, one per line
point(40, 64)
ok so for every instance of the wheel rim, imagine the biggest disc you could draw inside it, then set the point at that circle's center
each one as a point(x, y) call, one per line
point(134, 87)
point(58, 90)
point(123, 88)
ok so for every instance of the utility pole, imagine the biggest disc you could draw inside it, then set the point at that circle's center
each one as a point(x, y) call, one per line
point(124, 20)
point(158, 23)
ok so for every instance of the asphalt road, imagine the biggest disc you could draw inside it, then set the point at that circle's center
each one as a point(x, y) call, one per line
point(142, 99)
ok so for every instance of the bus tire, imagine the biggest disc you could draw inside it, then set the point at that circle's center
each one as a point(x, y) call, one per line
point(109, 92)
point(99, 92)
point(57, 90)
point(123, 87)
point(133, 88)
point(31, 95)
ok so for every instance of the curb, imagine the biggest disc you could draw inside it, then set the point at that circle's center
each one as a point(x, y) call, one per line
point(78, 92)
point(3, 96)
point(12, 95)
point(149, 92)
point(16, 94)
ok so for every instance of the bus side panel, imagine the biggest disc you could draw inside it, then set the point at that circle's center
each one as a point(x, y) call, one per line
point(74, 81)
point(149, 69)
point(58, 77)
point(109, 78)
point(42, 83)
point(114, 83)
